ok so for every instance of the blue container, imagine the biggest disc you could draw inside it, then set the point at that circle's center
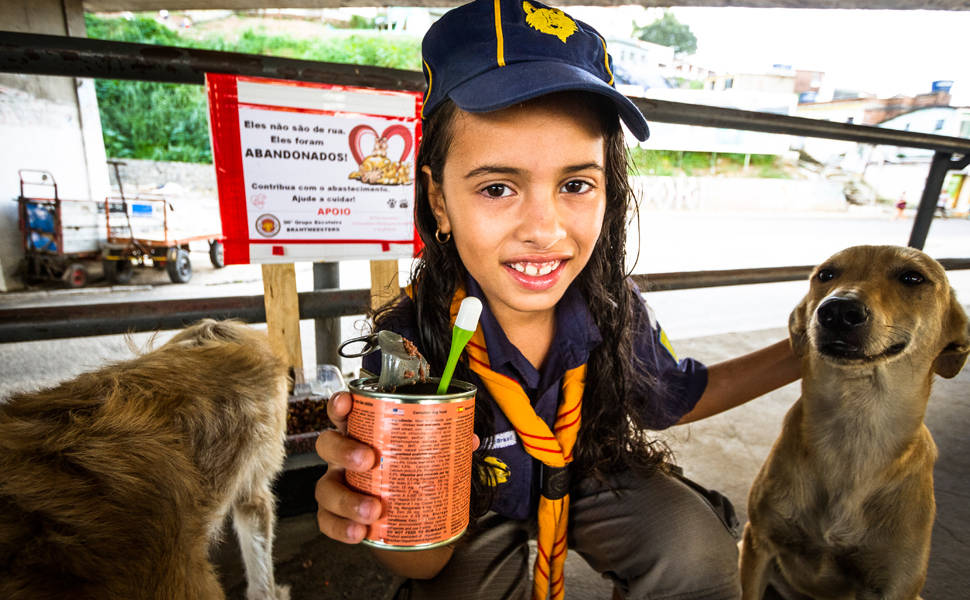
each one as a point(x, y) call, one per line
point(42, 243)
point(141, 210)
point(40, 217)
point(942, 85)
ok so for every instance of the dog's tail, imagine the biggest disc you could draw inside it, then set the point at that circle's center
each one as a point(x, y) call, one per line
point(210, 330)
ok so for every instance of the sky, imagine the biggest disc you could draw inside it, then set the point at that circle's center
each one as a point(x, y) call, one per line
point(886, 52)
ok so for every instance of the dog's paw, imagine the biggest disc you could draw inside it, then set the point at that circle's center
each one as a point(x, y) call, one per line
point(282, 592)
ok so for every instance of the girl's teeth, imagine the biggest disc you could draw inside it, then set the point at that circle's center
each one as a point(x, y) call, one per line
point(534, 270)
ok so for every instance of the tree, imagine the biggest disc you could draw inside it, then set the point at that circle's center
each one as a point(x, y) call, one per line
point(668, 31)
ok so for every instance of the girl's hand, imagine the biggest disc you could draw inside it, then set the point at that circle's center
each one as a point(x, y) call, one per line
point(342, 513)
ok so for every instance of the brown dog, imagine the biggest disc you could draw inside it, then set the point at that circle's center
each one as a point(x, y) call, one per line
point(843, 507)
point(114, 484)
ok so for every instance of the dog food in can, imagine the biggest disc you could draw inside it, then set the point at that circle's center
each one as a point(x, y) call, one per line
point(423, 443)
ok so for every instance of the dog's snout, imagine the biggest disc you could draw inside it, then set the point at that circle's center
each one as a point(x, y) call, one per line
point(842, 314)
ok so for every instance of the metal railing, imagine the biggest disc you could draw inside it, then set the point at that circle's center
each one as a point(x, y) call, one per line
point(38, 54)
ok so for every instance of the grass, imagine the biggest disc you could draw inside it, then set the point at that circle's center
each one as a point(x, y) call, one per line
point(676, 162)
point(169, 122)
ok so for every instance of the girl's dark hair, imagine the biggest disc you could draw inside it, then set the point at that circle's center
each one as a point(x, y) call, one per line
point(613, 433)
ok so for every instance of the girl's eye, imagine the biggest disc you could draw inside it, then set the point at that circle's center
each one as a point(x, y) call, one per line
point(496, 190)
point(576, 186)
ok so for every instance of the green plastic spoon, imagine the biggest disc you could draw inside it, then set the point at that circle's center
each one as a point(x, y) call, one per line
point(465, 325)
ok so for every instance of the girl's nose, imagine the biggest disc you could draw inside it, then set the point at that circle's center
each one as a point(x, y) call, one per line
point(541, 221)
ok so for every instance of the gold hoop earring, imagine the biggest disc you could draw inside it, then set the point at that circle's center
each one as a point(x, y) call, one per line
point(442, 238)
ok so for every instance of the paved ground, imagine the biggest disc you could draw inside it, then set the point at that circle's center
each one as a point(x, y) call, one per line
point(723, 452)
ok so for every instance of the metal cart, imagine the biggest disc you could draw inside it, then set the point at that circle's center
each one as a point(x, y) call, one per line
point(141, 231)
point(59, 235)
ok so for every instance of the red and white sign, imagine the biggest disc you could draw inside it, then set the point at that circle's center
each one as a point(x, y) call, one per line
point(311, 171)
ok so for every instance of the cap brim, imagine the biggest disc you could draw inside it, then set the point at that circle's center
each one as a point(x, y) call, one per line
point(518, 82)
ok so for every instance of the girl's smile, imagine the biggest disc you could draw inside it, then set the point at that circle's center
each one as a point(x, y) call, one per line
point(523, 193)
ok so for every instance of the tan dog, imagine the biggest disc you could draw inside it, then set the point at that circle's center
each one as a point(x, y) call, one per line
point(114, 484)
point(843, 507)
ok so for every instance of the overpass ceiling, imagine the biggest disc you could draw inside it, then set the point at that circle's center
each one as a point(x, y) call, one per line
point(149, 5)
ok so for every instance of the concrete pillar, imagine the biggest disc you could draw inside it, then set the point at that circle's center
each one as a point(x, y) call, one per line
point(48, 123)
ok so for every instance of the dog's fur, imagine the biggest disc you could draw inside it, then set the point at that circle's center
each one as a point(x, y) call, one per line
point(843, 507)
point(114, 484)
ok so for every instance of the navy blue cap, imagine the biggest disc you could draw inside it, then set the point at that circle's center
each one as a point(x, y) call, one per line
point(490, 54)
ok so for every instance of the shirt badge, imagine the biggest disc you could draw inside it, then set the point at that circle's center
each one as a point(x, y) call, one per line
point(498, 471)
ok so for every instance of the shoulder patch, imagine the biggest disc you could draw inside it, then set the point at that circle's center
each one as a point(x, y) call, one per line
point(500, 440)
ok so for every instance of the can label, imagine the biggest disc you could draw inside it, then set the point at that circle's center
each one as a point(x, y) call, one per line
point(423, 472)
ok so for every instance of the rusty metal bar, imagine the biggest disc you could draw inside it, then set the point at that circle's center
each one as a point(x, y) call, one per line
point(83, 57)
point(38, 54)
point(108, 318)
point(56, 322)
point(664, 111)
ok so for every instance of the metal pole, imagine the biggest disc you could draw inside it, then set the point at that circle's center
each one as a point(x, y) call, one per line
point(942, 163)
point(326, 276)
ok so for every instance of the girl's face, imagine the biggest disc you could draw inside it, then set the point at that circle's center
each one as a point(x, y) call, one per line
point(523, 193)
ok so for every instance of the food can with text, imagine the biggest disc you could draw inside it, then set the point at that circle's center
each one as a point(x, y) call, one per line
point(423, 442)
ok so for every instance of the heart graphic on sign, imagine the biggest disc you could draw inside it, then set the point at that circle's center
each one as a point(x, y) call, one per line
point(376, 168)
point(357, 134)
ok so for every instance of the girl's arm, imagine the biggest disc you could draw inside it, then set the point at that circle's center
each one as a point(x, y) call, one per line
point(735, 381)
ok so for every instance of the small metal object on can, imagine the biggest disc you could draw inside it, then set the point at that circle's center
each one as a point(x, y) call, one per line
point(401, 363)
point(423, 443)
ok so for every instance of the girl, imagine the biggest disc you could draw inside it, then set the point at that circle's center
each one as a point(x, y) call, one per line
point(522, 200)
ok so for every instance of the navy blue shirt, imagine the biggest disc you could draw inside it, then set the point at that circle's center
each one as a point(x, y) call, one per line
point(679, 383)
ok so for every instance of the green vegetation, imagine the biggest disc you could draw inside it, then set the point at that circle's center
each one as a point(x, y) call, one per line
point(674, 162)
point(161, 121)
point(668, 31)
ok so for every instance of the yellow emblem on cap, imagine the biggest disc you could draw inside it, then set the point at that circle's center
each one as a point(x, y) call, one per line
point(549, 20)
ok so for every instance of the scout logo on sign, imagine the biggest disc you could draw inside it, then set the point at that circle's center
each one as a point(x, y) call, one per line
point(549, 20)
point(267, 225)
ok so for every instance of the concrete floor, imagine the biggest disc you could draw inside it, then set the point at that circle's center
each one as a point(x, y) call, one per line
point(723, 452)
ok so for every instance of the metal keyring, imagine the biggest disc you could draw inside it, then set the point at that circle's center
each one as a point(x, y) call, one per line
point(370, 345)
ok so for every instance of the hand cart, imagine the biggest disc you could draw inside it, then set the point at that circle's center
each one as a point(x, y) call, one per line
point(146, 228)
point(59, 235)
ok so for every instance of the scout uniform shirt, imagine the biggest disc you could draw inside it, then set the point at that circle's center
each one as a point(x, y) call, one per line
point(677, 384)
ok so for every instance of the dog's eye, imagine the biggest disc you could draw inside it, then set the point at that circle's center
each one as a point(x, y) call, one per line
point(912, 278)
point(826, 275)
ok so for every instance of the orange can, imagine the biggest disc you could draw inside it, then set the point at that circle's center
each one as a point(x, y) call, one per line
point(423, 443)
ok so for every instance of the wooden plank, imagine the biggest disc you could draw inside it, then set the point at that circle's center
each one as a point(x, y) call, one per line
point(384, 285)
point(283, 316)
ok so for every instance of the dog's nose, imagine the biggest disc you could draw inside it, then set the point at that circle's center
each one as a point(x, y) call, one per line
point(842, 314)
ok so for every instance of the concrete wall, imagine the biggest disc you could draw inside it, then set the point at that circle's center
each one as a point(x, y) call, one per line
point(726, 194)
point(48, 123)
point(142, 175)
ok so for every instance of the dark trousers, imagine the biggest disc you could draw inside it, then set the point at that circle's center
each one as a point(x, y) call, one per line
point(655, 537)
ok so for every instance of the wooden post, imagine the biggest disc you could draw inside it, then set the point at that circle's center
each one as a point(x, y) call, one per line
point(384, 285)
point(283, 316)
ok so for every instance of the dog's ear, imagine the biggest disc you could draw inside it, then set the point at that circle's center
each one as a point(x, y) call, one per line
point(956, 336)
point(798, 327)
